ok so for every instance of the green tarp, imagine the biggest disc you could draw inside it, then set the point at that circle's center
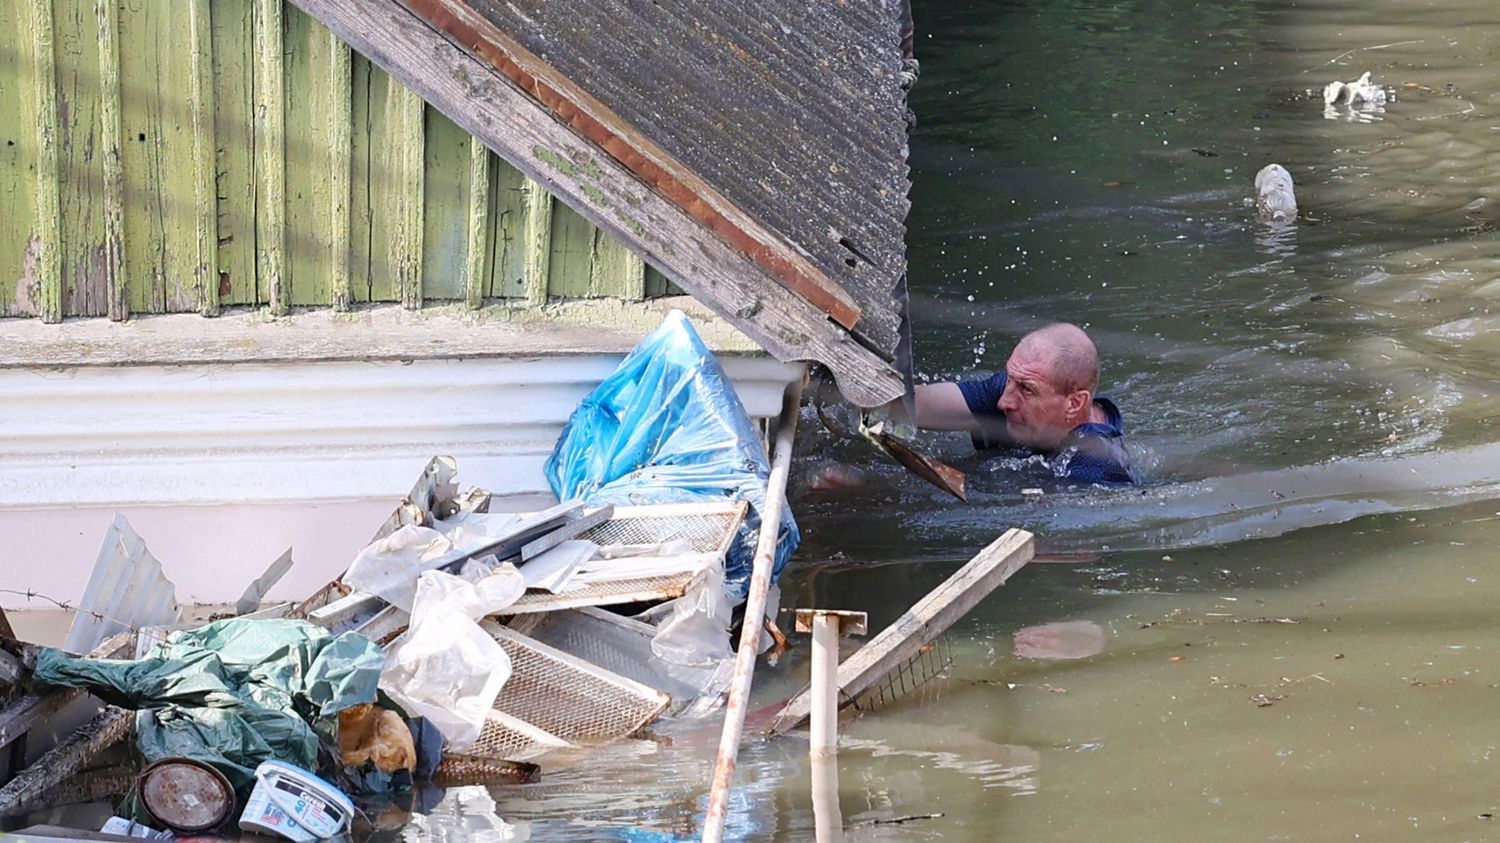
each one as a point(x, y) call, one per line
point(232, 693)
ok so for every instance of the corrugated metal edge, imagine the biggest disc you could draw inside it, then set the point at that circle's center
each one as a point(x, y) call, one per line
point(127, 590)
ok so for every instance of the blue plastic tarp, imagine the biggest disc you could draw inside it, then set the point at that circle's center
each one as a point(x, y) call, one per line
point(667, 427)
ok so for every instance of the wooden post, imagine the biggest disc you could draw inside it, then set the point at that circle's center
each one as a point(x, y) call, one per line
point(826, 625)
point(755, 609)
point(536, 247)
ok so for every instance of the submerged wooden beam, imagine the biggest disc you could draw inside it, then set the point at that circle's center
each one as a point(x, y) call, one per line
point(47, 242)
point(205, 161)
point(479, 264)
point(270, 157)
point(929, 618)
point(113, 188)
point(606, 192)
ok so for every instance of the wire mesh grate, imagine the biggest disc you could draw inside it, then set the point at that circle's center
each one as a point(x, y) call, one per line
point(568, 697)
point(912, 678)
point(707, 528)
point(505, 738)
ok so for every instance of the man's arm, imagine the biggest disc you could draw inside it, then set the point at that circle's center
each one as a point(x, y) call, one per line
point(941, 406)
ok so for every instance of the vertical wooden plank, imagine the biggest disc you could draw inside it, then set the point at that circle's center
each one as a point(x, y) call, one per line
point(445, 208)
point(508, 198)
point(309, 110)
point(157, 157)
point(477, 268)
point(340, 124)
point(47, 274)
point(80, 174)
point(362, 158)
point(233, 51)
point(205, 160)
point(408, 111)
point(16, 162)
point(572, 253)
point(270, 157)
point(615, 270)
point(110, 138)
point(536, 243)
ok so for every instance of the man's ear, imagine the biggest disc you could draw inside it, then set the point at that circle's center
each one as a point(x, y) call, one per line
point(1078, 403)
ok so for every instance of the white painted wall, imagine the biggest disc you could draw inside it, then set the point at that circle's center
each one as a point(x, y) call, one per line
point(219, 468)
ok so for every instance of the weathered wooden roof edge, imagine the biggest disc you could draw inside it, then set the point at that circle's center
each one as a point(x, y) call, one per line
point(607, 192)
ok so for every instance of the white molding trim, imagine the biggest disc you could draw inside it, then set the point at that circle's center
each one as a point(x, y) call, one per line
point(299, 432)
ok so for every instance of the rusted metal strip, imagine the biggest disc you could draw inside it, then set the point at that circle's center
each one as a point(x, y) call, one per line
point(645, 159)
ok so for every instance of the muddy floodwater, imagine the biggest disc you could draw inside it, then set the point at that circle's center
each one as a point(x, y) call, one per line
point(1298, 610)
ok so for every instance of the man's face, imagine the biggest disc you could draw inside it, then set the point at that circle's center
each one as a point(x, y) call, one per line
point(1036, 412)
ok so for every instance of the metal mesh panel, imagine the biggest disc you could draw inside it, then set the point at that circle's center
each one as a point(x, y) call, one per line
point(616, 644)
point(568, 697)
point(506, 738)
point(462, 769)
point(912, 677)
point(709, 528)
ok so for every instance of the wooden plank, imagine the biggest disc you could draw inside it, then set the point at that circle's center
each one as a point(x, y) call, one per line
point(611, 270)
point(311, 103)
point(536, 245)
point(17, 718)
point(480, 258)
point(205, 160)
point(570, 265)
point(507, 230)
point(570, 530)
point(341, 169)
point(17, 161)
point(47, 275)
point(364, 147)
point(6, 631)
point(929, 618)
point(157, 149)
point(511, 123)
point(231, 27)
point(76, 40)
point(406, 246)
point(270, 158)
point(448, 157)
point(110, 138)
point(26, 790)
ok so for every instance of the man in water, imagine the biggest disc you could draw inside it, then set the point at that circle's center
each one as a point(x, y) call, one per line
point(1044, 402)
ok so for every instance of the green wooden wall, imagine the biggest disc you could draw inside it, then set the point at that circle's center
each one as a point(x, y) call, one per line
point(167, 156)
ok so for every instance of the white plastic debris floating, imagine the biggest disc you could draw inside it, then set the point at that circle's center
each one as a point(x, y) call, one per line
point(295, 804)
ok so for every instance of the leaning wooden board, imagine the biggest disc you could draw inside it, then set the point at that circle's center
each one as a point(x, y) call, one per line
point(929, 618)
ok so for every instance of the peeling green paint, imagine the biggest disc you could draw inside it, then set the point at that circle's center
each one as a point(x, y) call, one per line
point(185, 112)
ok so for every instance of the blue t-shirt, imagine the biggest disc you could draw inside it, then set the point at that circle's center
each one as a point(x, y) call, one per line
point(1093, 452)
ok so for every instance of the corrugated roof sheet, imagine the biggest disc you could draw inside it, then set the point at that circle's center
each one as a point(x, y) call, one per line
point(791, 110)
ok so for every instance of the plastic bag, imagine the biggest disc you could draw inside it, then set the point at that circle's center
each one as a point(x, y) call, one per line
point(667, 427)
point(445, 667)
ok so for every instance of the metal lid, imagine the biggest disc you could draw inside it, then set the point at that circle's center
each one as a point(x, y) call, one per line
point(185, 795)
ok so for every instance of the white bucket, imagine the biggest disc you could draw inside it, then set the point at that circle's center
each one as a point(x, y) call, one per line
point(295, 804)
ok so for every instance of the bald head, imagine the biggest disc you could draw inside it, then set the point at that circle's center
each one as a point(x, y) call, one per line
point(1073, 360)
